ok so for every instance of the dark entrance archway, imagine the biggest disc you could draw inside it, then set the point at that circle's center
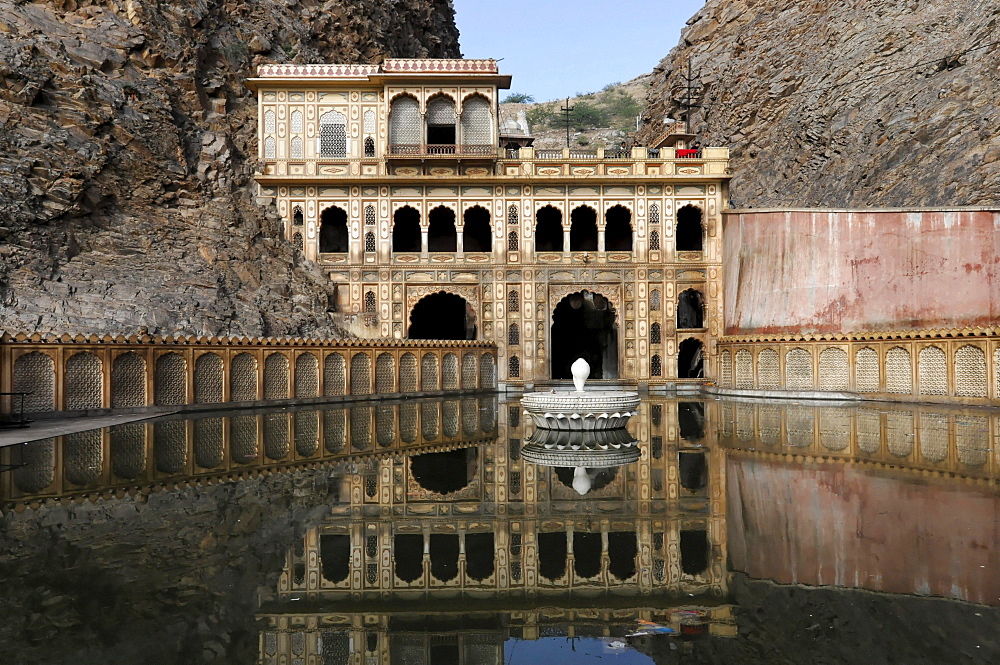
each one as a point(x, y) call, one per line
point(690, 360)
point(583, 230)
point(406, 230)
point(584, 326)
point(333, 231)
point(442, 316)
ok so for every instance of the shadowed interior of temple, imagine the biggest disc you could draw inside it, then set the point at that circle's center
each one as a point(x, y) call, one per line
point(584, 326)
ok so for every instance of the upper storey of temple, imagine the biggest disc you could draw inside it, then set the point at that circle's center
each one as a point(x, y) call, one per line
point(427, 117)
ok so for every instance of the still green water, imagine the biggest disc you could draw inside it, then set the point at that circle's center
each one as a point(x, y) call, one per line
point(417, 532)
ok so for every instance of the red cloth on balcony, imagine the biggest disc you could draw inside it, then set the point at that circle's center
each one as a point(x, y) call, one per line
point(686, 152)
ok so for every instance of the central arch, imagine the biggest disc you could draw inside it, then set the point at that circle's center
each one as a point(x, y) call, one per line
point(442, 315)
point(584, 326)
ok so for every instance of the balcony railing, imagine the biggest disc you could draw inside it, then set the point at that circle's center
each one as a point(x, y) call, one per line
point(441, 150)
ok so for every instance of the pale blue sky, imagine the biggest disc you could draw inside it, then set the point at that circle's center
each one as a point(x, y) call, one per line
point(556, 48)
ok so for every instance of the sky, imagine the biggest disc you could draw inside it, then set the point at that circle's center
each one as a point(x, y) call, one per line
point(557, 48)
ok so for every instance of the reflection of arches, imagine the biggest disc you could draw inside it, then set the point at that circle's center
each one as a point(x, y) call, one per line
point(479, 555)
point(689, 229)
point(694, 551)
point(690, 309)
point(586, 554)
point(333, 231)
point(441, 233)
point(552, 554)
point(623, 547)
point(584, 326)
point(443, 550)
point(548, 230)
point(442, 315)
point(335, 556)
point(406, 230)
point(445, 472)
point(693, 470)
point(583, 230)
point(618, 229)
point(690, 359)
point(408, 555)
point(476, 234)
point(691, 420)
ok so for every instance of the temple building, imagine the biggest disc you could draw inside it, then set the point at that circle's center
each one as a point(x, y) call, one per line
point(436, 219)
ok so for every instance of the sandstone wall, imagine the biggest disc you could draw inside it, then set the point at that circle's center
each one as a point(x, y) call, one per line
point(850, 527)
point(818, 271)
point(127, 142)
point(844, 104)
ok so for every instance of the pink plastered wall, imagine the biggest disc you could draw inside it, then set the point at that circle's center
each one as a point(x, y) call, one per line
point(824, 271)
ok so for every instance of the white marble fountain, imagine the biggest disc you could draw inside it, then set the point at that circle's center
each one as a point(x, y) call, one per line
point(579, 410)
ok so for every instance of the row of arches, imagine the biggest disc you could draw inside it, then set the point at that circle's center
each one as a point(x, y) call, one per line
point(873, 372)
point(551, 234)
point(440, 124)
point(245, 377)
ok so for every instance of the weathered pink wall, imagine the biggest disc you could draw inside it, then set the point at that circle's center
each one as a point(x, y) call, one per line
point(853, 271)
point(858, 528)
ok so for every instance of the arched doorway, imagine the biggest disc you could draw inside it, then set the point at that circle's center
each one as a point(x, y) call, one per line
point(548, 230)
point(583, 230)
point(584, 326)
point(406, 230)
point(689, 229)
point(442, 315)
point(333, 236)
point(690, 360)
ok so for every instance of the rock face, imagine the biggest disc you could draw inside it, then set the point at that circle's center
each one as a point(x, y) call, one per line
point(838, 104)
point(127, 144)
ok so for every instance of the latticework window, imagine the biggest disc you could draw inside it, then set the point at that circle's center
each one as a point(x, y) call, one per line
point(970, 372)
point(370, 304)
point(899, 432)
point(798, 369)
point(744, 370)
point(361, 373)
point(768, 375)
point(83, 381)
point(370, 241)
point(369, 215)
point(654, 241)
point(385, 374)
point(269, 148)
point(726, 369)
point(441, 111)
point(512, 243)
point(655, 366)
point(334, 375)
point(404, 121)
point(654, 334)
point(514, 367)
point(333, 134)
point(276, 376)
point(655, 301)
point(513, 335)
point(898, 371)
point(369, 146)
point(269, 122)
point(654, 213)
point(477, 122)
point(369, 122)
point(866, 370)
point(296, 124)
point(869, 424)
point(933, 434)
point(306, 375)
point(932, 369)
point(512, 214)
point(833, 372)
point(429, 372)
point(296, 152)
point(513, 301)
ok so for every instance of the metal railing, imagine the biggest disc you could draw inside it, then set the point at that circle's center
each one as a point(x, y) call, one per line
point(441, 149)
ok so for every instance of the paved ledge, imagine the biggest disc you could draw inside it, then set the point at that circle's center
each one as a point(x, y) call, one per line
point(824, 395)
point(43, 429)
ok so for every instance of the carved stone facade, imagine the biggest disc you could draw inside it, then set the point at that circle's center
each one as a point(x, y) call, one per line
point(422, 196)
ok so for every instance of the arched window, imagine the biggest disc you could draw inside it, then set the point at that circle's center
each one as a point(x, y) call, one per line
point(512, 242)
point(369, 146)
point(514, 367)
point(476, 234)
point(269, 149)
point(298, 241)
point(655, 366)
point(369, 215)
point(654, 300)
point(654, 334)
point(297, 216)
point(441, 233)
point(369, 122)
point(583, 230)
point(269, 122)
point(654, 213)
point(548, 230)
point(333, 134)
point(404, 123)
point(512, 214)
point(370, 302)
point(296, 124)
point(513, 301)
point(406, 230)
point(690, 309)
point(441, 121)
point(618, 229)
point(513, 335)
point(654, 241)
point(689, 229)
point(477, 122)
point(370, 241)
point(333, 231)
point(296, 152)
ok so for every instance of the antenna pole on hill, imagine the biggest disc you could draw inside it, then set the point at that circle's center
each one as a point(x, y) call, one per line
point(566, 109)
point(688, 101)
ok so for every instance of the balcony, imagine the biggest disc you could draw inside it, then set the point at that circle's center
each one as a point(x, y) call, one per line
point(442, 151)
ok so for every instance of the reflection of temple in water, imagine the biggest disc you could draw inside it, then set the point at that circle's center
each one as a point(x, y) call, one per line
point(412, 570)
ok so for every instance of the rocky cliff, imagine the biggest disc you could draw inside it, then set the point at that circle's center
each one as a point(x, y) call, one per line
point(843, 103)
point(127, 140)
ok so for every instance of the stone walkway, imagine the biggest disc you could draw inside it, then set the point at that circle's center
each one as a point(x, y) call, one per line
point(42, 429)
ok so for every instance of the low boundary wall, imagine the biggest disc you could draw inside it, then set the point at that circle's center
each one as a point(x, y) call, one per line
point(87, 374)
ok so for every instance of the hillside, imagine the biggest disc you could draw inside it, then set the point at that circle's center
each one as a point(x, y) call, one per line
point(867, 103)
point(127, 139)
